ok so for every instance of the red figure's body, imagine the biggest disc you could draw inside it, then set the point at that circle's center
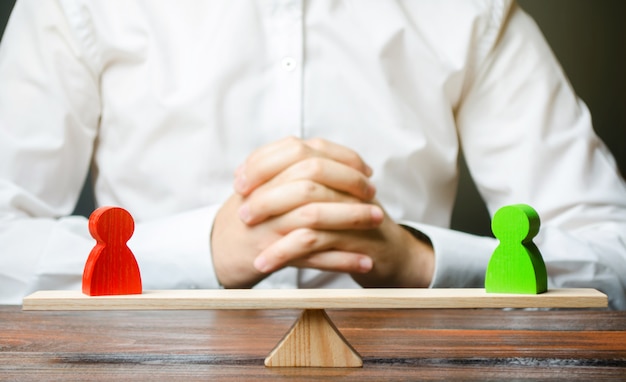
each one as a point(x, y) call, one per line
point(111, 268)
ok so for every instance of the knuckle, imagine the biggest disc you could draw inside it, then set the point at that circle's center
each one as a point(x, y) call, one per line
point(308, 189)
point(361, 217)
point(307, 238)
point(280, 257)
point(310, 215)
point(312, 168)
point(298, 148)
point(358, 219)
point(361, 185)
point(317, 143)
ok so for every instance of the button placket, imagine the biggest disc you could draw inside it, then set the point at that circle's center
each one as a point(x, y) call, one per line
point(289, 63)
point(288, 41)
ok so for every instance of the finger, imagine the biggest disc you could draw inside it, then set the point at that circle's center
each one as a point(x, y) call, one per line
point(336, 261)
point(268, 161)
point(330, 216)
point(332, 174)
point(340, 153)
point(306, 247)
point(311, 180)
point(273, 201)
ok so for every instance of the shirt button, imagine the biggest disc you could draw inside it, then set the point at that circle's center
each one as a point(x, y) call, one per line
point(288, 63)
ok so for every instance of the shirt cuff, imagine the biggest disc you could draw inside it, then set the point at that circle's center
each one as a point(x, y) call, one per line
point(175, 252)
point(460, 258)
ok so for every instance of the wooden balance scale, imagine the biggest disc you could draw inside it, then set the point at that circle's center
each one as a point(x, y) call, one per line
point(313, 340)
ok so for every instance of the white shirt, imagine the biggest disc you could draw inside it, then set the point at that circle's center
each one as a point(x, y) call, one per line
point(166, 98)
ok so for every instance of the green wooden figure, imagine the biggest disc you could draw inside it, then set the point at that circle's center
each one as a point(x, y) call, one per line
point(516, 265)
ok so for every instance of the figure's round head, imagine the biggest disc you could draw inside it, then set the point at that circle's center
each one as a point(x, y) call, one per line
point(111, 224)
point(517, 222)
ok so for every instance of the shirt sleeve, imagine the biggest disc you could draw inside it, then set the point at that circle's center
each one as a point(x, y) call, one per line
point(528, 139)
point(49, 118)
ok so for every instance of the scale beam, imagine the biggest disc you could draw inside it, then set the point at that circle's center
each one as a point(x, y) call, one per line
point(314, 341)
point(389, 298)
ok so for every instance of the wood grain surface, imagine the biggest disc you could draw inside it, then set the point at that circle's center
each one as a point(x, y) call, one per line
point(396, 345)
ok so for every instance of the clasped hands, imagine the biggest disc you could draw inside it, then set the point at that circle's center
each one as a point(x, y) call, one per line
point(310, 203)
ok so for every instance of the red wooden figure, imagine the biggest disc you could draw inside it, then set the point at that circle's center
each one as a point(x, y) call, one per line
point(111, 268)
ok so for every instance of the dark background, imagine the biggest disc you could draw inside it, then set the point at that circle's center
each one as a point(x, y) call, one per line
point(589, 39)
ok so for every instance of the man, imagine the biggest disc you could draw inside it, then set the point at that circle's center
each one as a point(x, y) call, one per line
point(342, 124)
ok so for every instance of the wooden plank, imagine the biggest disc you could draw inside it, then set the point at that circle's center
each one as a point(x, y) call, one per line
point(397, 298)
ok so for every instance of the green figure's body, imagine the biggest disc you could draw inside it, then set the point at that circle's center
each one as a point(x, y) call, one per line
point(516, 265)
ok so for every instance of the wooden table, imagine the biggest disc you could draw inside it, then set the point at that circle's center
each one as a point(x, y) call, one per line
point(396, 344)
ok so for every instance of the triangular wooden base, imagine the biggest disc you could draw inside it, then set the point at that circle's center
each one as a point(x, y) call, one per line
point(313, 341)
